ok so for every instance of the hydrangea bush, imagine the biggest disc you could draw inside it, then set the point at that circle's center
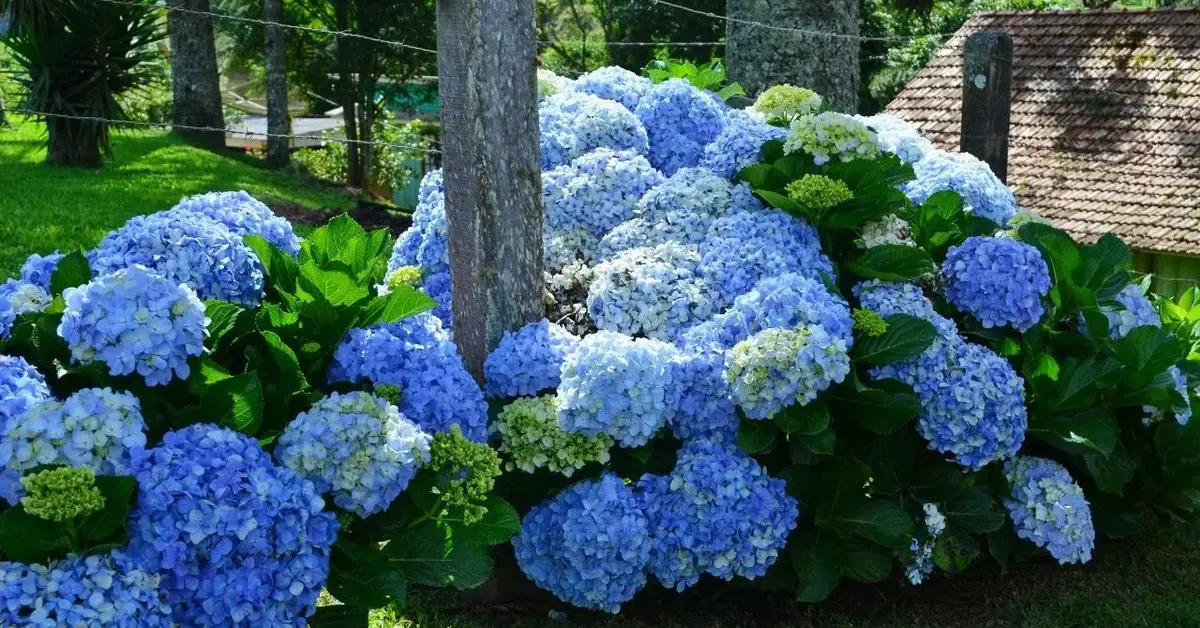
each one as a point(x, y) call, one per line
point(781, 345)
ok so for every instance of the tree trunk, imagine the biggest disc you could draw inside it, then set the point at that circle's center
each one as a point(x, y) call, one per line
point(366, 129)
point(488, 90)
point(74, 142)
point(197, 86)
point(278, 153)
point(347, 93)
point(760, 57)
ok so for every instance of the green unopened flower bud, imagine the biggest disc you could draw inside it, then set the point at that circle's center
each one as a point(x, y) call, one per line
point(467, 472)
point(403, 276)
point(819, 191)
point(787, 101)
point(531, 439)
point(868, 322)
point(389, 392)
point(62, 493)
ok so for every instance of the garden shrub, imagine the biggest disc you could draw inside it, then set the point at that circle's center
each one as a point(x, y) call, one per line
point(808, 350)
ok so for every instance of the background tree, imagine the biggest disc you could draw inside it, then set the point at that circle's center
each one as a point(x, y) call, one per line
point(760, 57)
point(75, 57)
point(277, 94)
point(646, 20)
point(196, 82)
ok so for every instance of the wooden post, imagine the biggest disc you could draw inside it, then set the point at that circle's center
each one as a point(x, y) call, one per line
point(987, 98)
point(488, 89)
point(278, 149)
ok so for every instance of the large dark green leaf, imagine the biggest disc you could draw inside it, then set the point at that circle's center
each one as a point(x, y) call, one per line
point(402, 302)
point(879, 521)
point(864, 562)
point(953, 553)
point(755, 436)
point(891, 262)
point(881, 411)
point(1089, 431)
point(906, 338)
point(29, 539)
point(974, 512)
point(332, 284)
point(325, 243)
point(118, 495)
point(236, 403)
point(1149, 350)
point(788, 205)
point(360, 575)
point(72, 271)
point(817, 559)
point(429, 556)
point(289, 375)
point(280, 268)
point(809, 419)
point(937, 481)
point(339, 616)
point(1080, 380)
point(499, 524)
point(1111, 473)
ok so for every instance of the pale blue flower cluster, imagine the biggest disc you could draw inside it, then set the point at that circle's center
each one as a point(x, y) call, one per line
point(680, 120)
point(426, 226)
point(718, 512)
point(185, 247)
point(24, 297)
point(985, 195)
point(776, 368)
point(38, 269)
point(744, 248)
point(898, 137)
point(416, 355)
point(973, 402)
point(357, 447)
point(573, 124)
point(244, 215)
point(1133, 310)
point(21, 388)
point(706, 405)
point(656, 292)
point(920, 565)
point(135, 321)
point(94, 428)
point(529, 360)
point(617, 385)
point(999, 281)
point(7, 318)
point(614, 83)
point(589, 545)
point(237, 540)
point(596, 191)
point(83, 590)
point(680, 209)
point(739, 145)
point(1048, 509)
point(831, 135)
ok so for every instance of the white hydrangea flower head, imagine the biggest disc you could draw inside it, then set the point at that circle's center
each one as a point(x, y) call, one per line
point(550, 83)
point(890, 229)
point(831, 135)
point(28, 297)
point(653, 291)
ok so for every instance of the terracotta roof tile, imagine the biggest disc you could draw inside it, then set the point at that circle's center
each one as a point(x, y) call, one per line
point(1105, 130)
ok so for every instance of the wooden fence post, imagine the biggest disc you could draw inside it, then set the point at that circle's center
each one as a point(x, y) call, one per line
point(492, 168)
point(987, 98)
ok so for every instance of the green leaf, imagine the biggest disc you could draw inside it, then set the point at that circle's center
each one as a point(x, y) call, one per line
point(788, 205)
point(1093, 430)
point(755, 436)
point(29, 539)
point(361, 576)
point(1106, 256)
point(333, 285)
point(879, 521)
point(817, 564)
point(906, 338)
point(499, 524)
point(289, 375)
point(280, 268)
point(401, 303)
point(325, 243)
point(339, 616)
point(72, 271)
point(809, 419)
point(938, 481)
point(1001, 544)
point(1112, 472)
point(1046, 367)
point(118, 494)
point(206, 373)
point(880, 411)
point(757, 175)
point(1149, 350)
point(429, 556)
point(236, 403)
point(954, 553)
point(891, 262)
point(843, 491)
point(1079, 381)
point(821, 443)
point(863, 562)
point(974, 512)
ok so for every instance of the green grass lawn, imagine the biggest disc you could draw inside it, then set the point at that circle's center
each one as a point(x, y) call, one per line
point(43, 208)
point(1152, 581)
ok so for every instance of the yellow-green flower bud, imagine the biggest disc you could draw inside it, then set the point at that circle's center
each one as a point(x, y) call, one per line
point(868, 322)
point(818, 191)
point(62, 493)
point(787, 102)
point(403, 276)
point(531, 439)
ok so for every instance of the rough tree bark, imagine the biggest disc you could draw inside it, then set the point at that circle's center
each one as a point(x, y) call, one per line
point(488, 91)
point(760, 57)
point(197, 86)
point(348, 93)
point(278, 153)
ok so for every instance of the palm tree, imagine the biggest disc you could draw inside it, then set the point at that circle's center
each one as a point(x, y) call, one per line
point(76, 57)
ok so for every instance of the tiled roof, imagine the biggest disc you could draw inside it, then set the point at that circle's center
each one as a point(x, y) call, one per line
point(1105, 131)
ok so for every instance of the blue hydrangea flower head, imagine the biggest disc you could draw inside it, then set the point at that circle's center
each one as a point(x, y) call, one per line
point(739, 145)
point(776, 368)
point(7, 318)
point(588, 545)
point(680, 120)
point(21, 592)
point(706, 405)
point(437, 286)
point(999, 281)
point(357, 447)
point(690, 189)
point(1135, 311)
point(23, 297)
point(416, 355)
point(135, 321)
point(38, 269)
point(185, 247)
point(573, 123)
point(984, 194)
point(656, 292)
point(596, 191)
point(83, 590)
point(529, 360)
point(898, 137)
point(217, 520)
point(718, 512)
point(1182, 414)
point(744, 248)
point(617, 385)
point(1048, 509)
point(614, 83)
point(94, 428)
point(244, 215)
point(21, 388)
